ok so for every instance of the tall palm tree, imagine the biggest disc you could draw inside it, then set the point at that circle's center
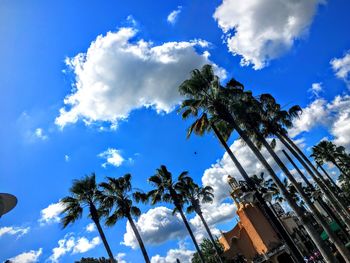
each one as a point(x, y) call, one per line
point(117, 195)
point(84, 193)
point(204, 94)
point(165, 191)
point(326, 151)
point(275, 122)
point(223, 131)
point(194, 195)
point(252, 123)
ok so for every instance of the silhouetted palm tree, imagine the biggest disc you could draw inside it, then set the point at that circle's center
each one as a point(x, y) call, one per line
point(194, 195)
point(205, 95)
point(117, 200)
point(165, 191)
point(326, 151)
point(84, 194)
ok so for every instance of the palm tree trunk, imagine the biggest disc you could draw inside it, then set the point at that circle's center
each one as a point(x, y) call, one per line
point(323, 205)
point(139, 239)
point(336, 241)
point(275, 222)
point(324, 190)
point(327, 190)
point(104, 240)
point(330, 178)
point(325, 251)
point(200, 214)
point(184, 219)
point(341, 169)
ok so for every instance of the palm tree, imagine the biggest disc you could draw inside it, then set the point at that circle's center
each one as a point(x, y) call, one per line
point(84, 193)
point(116, 194)
point(252, 121)
point(165, 191)
point(192, 106)
point(194, 195)
point(205, 95)
point(326, 151)
point(274, 122)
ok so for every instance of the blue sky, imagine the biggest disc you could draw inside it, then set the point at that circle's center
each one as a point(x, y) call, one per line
point(110, 110)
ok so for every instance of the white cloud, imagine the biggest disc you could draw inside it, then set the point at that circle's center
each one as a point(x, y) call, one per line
point(27, 257)
point(83, 244)
point(112, 156)
point(51, 214)
point(333, 115)
point(314, 114)
point(90, 227)
point(262, 30)
point(14, 231)
point(66, 158)
point(118, 74)
point(341, 66)
point(73, 245)
point(316, 89)
point(172, 17)
point(156, 226)
point(183, 254)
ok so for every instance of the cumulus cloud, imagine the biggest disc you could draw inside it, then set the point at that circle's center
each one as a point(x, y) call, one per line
point(51, 214)
point(181, 253)
point(73, 245)
point(66, 158)
point(118, 74)
point(27, 257)
point(112, 156)
point(14, 231)
point(341, 67)
point(333, 115)
point(172, 17)
point(261, 30)
point(156, 226)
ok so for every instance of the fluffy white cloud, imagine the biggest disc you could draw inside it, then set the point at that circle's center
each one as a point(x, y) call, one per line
point(112, 156)
point(27, 257)
point(183, 254)
point(314, 114)
point(172, 17)
point(72, 244)
point(14, 231)
point(261, 30)
point(90, 227)
point(333, 115)
point(83, 244)
point(118, 74)
point(66, 158)
point(156, 226)
point(51, 214)
point(341, 66)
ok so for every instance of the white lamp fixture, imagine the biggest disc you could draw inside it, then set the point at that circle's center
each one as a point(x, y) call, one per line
point(7, 203)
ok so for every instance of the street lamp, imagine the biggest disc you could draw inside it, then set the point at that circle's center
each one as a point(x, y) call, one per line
point(7, 203)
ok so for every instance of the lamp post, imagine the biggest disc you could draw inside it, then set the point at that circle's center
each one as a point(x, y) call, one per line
point(7, 203)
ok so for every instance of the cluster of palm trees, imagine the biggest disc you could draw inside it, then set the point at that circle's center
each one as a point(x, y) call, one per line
point(260, 122)
point(114, 199)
